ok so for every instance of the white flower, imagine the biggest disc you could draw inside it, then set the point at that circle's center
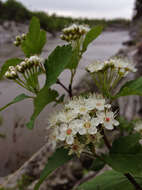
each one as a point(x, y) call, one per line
point(54, 136)
point(124, 65)
point(53, 119)
point(66, 116)
point(88, 125)
point(138, 126)
point(95, 67)
point(107, 119)
point(67, 133)
point(80, 109)
point(98, 104)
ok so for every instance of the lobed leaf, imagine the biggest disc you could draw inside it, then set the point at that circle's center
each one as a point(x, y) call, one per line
point(126, 154)
point(17, 99)
point(35, 39)
point(74, 61)
point(110, 180)
point(56, 63)
point(133, 87)
point(91, 36)
point(44, 97)
point(59, 158)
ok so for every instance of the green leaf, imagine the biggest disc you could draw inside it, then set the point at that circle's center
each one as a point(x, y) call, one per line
point(44, 97)
point(9, 62)
point(74, 60)
point(133, 87)
point(2, 136)
point(110, 180)
point(97, 164)
point(59, 158)
point(91, 36)
point(17, 99)
point(126, 155)
point(56, 63)
point(35, 39)
point(125, 125)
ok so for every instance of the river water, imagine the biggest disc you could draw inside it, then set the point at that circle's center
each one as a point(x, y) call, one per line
point(20, 143)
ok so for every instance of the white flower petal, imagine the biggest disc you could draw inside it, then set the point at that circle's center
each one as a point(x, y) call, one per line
point(108, 125)
point(115, 122)
point(82, 131)
point(69, 139)
point(92, 130)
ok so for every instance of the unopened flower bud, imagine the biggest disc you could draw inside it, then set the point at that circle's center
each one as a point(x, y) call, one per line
point(23, 36)
point(19, 68)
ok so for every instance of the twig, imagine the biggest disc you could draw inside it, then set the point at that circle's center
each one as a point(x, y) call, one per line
point(63, 86)
point(86, 178)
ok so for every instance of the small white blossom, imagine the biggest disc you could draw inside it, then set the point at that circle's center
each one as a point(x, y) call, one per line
point(88, 125)
point(80, 121)
point(95, 66)
point(107, 119)
point(138, 126)
point(67, 133)
point(66, 116)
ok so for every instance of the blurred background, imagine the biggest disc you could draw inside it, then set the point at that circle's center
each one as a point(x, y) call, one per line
point(122, 35)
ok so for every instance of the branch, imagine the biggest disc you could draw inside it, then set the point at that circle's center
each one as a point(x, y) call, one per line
point(63, 86)
point(86, 178)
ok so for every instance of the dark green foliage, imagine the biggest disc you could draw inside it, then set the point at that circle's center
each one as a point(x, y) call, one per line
point(56, 63)
point(13, 10)
point(110, 180)
point(97, 164)
point(133, 87)
point(138, 9)
point(125, 125)
point(91, 35)
point(44, 97)
point(35, 39)
point(126, 154)
point(59, 158)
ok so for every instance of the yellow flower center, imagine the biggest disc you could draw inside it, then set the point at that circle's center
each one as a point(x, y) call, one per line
point(87, 125)
point(82, 109)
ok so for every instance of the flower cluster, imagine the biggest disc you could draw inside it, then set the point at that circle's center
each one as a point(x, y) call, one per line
point(28, 63)
point(74, 32)
point(26, 73)
point(81, 122)
point(120, 66)
point(19, 39)
point(107, 74)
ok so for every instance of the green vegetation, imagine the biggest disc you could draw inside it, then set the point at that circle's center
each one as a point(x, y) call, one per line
point(16, 11)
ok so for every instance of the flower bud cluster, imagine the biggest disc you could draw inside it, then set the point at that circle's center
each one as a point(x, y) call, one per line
point(81, 121)
point(119, 65)
point(74, 32)
point(12, 72)
point(19, 39)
